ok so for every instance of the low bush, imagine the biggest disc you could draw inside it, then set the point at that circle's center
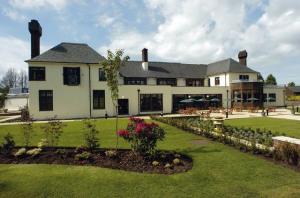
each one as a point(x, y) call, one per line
point(83, 156)
point(8, 144)
point(20, 152)
point(142, 136)
point(111, 153)
point(33, 152)
point(91, 135)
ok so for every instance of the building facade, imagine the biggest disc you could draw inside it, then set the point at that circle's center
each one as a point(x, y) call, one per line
point(68, 81)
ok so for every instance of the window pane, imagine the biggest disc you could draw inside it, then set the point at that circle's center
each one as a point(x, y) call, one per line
point(151, 102)
point(46, 100)
point(71, 75)
point(102, 76)
point(36, 73)
point(98, 99)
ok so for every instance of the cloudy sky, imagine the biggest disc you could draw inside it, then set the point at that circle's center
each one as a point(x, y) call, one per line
point(189, 31)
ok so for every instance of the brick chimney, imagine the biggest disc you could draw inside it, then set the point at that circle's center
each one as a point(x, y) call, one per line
point(243, 57)
point(36, 32)
point(145, 59)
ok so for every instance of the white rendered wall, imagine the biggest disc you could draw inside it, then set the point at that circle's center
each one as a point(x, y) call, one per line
point(13, 104)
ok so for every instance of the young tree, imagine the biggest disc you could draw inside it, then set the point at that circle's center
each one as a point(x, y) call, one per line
point(111, 66)
point(291, 84)
point(27, 130)
point(271, 80)
point(91, 134)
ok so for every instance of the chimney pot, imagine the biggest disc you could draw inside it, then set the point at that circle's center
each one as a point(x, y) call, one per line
point(243, 57)
point(36, 32)
point(145, 59)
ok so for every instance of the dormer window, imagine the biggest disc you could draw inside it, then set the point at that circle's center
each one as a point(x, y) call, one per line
point(244, 77)
point(135, 81)
point(167, 81)
point(194, 82)
point(71, 76)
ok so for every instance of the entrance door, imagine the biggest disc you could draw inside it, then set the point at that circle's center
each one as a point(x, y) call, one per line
point(123, 107)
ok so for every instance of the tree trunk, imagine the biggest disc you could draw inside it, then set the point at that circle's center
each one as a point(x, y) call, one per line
point(117, 119)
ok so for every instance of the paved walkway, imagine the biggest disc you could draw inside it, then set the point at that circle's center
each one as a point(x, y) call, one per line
point(280, 113)
point(9, 118)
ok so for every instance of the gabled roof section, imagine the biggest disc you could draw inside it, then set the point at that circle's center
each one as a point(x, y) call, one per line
point(226, 66)
point(70, 53)
point(163, 70)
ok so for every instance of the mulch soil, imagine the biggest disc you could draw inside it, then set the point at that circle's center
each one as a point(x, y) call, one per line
point(123, 160)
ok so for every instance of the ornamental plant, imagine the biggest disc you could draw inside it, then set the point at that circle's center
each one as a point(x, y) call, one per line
point(91, 135)
point(142, 136)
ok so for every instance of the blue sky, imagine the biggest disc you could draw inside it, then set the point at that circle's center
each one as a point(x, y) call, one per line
point(191, 31)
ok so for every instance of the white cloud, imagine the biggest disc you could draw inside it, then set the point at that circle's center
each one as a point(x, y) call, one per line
point(34, 4)
point(13, 53)
point(201, 31)
point(14, 15)
point(105, 20)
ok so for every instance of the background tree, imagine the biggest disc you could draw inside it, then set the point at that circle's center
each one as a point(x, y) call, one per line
point(291, 84)
point(111, 66)
point(10, 79)
point(271, 80)
point(22, 79)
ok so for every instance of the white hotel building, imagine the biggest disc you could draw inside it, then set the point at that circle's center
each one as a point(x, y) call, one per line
point(67, 81)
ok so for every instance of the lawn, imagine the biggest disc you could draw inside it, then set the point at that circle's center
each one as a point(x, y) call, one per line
point(219, 171)
point(289, 127)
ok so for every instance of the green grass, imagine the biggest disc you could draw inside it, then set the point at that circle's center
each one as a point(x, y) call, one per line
point(219, 171)
point(289, 127)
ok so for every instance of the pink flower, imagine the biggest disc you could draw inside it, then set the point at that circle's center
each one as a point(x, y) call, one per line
point(123, 133)
point(139, 127)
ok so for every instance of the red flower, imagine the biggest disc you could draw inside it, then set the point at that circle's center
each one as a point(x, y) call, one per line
point(123, 133)
point(136, 120)
point(139, 127)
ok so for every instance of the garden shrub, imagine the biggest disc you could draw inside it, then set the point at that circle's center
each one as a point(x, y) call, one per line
point(20, 152)
point(83, 156)
point(53, 130)
point(27, 130)
point(8, 144)
point(33, 152)
point(90, 135)
point(111, 153)
point(142, 136)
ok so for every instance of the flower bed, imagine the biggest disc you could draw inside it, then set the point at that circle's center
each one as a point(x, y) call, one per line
point(257, 141)
point(165, 162)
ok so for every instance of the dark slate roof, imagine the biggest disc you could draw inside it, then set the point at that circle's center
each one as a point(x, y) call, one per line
point(69, 53)
point(163, 70)
point(226, 66)
point(295, 89)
